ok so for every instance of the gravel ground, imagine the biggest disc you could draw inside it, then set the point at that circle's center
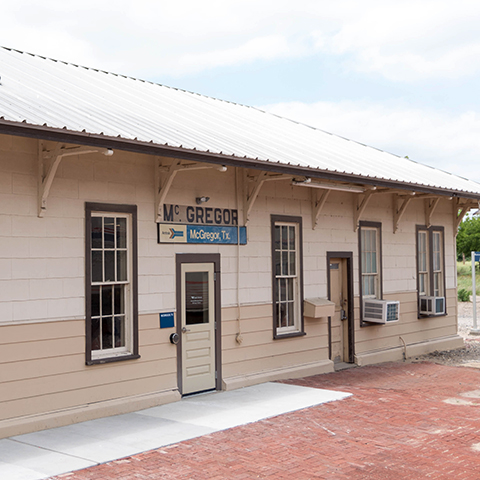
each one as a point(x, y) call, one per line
point(469, 355)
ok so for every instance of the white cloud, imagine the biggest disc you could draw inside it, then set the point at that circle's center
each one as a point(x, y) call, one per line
point(403, 41)
point(444, 141)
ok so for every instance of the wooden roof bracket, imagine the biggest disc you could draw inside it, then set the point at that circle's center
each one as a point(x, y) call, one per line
point(317, 205)
point(164, 177)
point(459, 212)
point(430, 206)
point(251, 196)
point(251, 193)
point(45, 179)
point(359, 208)
point(399, 210)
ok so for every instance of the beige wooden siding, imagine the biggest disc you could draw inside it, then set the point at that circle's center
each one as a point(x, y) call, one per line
point(259, 352)
point(411, 328)
point(42, 368)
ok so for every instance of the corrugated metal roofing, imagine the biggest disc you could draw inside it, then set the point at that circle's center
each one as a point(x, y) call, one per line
point(51, 94)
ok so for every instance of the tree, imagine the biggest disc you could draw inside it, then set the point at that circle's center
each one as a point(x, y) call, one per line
point(468, 237)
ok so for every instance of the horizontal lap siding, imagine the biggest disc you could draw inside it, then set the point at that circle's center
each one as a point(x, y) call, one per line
point(259, 352)
point(48, 373)
point(411, 328)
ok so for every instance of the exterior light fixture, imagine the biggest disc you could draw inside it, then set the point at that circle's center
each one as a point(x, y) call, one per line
point(201, 200)
point(222, 168)
point(108, 152)
point(327, 186)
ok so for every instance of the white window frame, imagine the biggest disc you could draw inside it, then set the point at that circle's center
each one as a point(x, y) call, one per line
point(370, 259)
point(423, 262)
point(295, 278)
point(129, 349)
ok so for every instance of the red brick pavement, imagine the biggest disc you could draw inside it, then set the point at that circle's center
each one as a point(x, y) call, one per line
point(404, 421)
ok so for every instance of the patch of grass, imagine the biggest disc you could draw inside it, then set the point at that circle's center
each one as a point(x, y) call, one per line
point(464, 278)
point(464, 295)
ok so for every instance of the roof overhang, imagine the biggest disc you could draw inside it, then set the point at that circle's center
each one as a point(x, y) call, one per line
point(43, 132)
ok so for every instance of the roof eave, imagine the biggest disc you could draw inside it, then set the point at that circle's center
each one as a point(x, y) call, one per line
point(43, 132)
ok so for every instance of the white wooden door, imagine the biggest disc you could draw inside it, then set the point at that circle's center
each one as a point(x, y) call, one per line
point(198, 327)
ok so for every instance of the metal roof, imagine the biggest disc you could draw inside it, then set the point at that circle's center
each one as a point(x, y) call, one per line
point(50, 95)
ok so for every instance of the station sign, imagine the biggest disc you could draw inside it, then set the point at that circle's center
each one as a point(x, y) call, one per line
point(220, 235)
point(199, 215)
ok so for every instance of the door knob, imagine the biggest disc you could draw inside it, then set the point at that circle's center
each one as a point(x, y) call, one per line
point(185, 329)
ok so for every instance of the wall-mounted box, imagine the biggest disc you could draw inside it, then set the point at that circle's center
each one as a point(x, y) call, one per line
point(318, 307)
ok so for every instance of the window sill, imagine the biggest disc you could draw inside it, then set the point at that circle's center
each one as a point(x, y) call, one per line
point(278, 336)
point(118, 358)
point(422, 316)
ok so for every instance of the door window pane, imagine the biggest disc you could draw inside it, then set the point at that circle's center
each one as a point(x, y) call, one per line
point(196, 293)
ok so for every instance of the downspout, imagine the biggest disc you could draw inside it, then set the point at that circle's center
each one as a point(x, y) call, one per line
point(238, 337)
point(404, 349)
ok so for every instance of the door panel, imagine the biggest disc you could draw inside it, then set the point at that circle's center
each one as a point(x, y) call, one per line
point(339, 321)
point(198, 327)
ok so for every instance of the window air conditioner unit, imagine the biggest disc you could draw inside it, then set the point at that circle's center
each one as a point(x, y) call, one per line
point(381, 311)
point(432, 305)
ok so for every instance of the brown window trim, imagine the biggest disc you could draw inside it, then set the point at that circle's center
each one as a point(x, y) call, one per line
point(378, 226)
point(288, 219)
point(429, 230)
point(107, 208)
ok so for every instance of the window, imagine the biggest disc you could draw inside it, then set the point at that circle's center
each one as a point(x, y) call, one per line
point(287, 276)
point(370, 260)
point(430, 261)
point(111, 283)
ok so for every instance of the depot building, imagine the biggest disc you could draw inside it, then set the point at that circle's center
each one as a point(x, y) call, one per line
point(158, 243)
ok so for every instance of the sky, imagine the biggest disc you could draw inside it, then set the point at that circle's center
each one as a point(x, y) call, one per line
point(402, 76)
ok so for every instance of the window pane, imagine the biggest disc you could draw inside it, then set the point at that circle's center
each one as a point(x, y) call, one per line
point(97, 264)
point(284, 238)
point(290, 289)
point(109, 267)
point(282, 317)
point(119, 299)
point(374, 262)
point(437, 285)
point(109, 232)
point(121, 265)
point(283, 289)
point(290, 314)
point(277, 238)
point(107, 332)
point(95, 305)
point(368, 263)
point(278, 270)
point(96, 334)
point(285, 263)
point(121, 233)
point(119, 331)
point(421, 284)
point(292, 267)
point(107, 300)
point(96, 232)
point(291, 237)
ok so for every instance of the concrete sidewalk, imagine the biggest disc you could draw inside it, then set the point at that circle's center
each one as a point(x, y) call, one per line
point(42, 454)
point(405, 421)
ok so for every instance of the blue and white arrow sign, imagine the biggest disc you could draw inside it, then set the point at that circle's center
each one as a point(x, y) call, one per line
point(224, 235)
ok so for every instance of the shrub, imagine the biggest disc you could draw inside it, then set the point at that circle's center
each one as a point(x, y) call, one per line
point(463, 295)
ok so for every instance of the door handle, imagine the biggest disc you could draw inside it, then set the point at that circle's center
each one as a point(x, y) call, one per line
point(185, 329)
